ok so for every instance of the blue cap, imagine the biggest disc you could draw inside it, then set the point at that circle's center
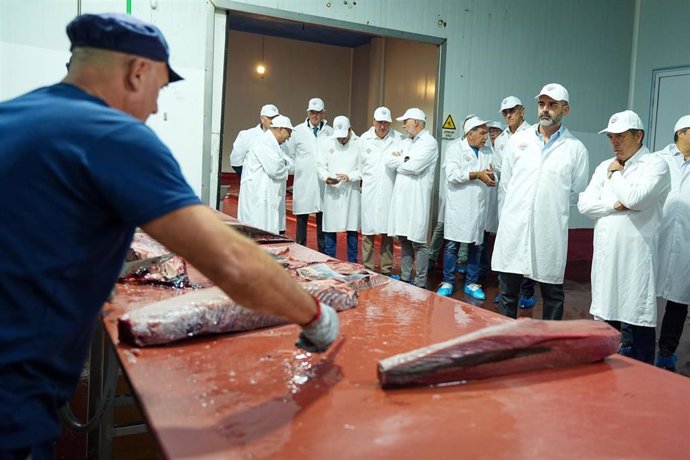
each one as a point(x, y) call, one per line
point(122, 33)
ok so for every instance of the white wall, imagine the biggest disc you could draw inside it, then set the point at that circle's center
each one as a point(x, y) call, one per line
point(663, 42)
point(34, 49)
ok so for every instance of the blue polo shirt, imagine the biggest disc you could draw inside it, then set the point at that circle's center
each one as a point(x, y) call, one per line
point(76, 178)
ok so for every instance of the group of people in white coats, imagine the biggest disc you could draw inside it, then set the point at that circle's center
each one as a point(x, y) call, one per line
point(534, 174)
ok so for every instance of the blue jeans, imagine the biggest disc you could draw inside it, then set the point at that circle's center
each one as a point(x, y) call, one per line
point(450, 257)
point(331, 240)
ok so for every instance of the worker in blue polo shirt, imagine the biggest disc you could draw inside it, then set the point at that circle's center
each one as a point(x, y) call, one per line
point(79, 171)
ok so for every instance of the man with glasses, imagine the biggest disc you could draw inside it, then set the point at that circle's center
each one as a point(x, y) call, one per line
point(626, 198)
point(514, 114)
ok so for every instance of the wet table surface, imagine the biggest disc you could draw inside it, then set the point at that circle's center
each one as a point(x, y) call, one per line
point(255, 396)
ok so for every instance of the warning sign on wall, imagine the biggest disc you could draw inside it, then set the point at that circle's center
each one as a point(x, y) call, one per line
point(449, 123)
point(449, 128)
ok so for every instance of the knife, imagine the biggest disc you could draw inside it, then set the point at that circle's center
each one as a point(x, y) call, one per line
point(134, 266)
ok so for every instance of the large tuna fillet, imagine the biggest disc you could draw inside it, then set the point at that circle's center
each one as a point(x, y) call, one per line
point(211, 311)
point(172, 272)
point(511, 347)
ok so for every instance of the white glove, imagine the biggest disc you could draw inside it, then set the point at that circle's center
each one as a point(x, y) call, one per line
point(321, 332)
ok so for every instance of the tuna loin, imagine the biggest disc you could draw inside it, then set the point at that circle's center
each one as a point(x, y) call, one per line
point(210, 311)
point(511, 347)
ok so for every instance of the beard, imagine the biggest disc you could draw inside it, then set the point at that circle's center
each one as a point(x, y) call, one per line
point(547, 121)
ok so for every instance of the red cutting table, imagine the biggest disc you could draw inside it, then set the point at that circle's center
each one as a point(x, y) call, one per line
point(255, 396)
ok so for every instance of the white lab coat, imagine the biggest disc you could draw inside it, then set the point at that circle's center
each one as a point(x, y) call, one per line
point(491, 224)
point(341, 201)
point(264, 174)
point(411, 202)
point(377, 180)
point(625, 242)
point(242, 143)
point(466, 200)
point(442, 184)
point(499, 148)
point(285, 152)
point(673, 274)
point(307, 190)
point(539, 189)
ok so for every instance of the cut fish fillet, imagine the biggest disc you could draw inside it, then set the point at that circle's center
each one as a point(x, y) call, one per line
point(511, 347)
point(211, 311)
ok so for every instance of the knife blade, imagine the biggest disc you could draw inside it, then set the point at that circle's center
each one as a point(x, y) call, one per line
point(134, 266)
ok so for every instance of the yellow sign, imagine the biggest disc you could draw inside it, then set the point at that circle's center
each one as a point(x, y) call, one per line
point(449, 123)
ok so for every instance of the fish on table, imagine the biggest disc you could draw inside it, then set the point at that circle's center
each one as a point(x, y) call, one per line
point(211, 311)
point(511, 347)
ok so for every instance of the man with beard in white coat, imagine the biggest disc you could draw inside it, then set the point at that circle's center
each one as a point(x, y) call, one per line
point(377, 187)
point(307, 190)
point(514, 114)
point(626, 198)
point(264, 174)
point(338, 168)
point(468, 178)
point(246, 137)
point(415, 166)
point(673, 274)
point(543, 171)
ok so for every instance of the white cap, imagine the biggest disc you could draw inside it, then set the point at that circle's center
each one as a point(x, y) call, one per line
point(413, 113)
point(315, 104)
point(281, 121)
point(682, 123)
point(622, 121)
point(554, 91)
point(382, 114)
point(269, 110)
point(341, 126)
point(496, 124)
point(472, 122)
point(509, 103)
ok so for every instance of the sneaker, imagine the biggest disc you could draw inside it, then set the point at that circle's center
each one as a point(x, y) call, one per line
point(461, 268)
point(497, 298)
point(475, 291)
point(395, 277)
point(526, 302)
point(625, 351)
point(446, 290)
point(666, 362)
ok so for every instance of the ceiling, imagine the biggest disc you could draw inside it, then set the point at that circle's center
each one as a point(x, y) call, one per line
point(266, 25)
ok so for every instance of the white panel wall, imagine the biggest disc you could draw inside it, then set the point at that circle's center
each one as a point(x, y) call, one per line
point(663, 42)
point(34, 49)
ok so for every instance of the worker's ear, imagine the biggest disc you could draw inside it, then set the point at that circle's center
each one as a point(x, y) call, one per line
point(135, 73)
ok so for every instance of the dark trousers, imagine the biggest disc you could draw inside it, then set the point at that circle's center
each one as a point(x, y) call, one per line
point(238, 171)
point(641, 339)
point(509, 287)
point(672, 327)
point(331, 239)
point(301, 233)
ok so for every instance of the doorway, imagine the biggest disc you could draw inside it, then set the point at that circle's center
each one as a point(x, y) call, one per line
point(353, 71)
